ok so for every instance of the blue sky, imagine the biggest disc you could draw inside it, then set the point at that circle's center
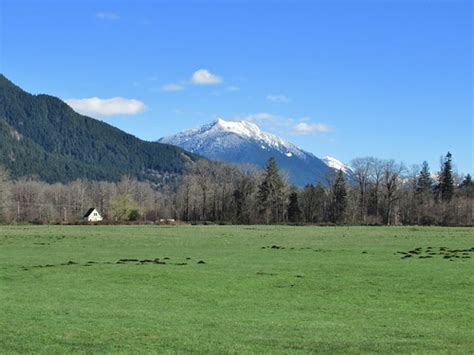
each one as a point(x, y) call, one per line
point(391, 79)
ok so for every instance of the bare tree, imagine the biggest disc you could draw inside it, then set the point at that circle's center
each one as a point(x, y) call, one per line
point(221, 192)
point(202, 174)
point(4, 194)
point(391, 182)
point(362, 168)
point(376, 172)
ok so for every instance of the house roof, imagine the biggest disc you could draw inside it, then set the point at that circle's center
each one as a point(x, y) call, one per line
point(89, 211)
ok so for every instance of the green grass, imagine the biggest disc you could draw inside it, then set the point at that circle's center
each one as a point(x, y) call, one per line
point(340, 289)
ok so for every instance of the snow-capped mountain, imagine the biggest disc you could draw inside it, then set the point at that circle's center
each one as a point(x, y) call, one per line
point(244, 142)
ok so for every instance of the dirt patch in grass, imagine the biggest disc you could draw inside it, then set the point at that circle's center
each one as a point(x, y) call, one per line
point(128, 261)
point(440, 252)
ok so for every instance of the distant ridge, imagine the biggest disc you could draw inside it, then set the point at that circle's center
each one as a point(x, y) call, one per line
point(244, 142)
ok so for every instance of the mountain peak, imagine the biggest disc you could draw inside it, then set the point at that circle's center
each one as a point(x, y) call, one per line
point(244, 142)
point(222, 134)
point(243, 128)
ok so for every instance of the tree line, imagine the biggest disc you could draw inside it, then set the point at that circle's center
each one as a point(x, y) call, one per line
point(374, 192)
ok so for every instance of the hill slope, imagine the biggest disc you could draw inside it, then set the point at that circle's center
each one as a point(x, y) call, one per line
point(244, 142)
point(41, 135)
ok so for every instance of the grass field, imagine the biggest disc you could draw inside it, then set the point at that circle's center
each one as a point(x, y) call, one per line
point(273, 289)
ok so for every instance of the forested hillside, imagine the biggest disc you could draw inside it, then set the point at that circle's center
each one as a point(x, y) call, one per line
point(41, 135)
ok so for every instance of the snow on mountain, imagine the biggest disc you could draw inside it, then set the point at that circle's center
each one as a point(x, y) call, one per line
point(336, 164)
point(218, 135)
point(244, 142)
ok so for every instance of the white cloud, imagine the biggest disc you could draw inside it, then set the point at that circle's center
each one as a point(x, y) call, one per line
point(233, 88)
point(172, 87)
point(259, 117)
point(278, 98)
point(205, 77)
point(111, 16)
point(97, 107)
point(285, 125)
point(269, 121)
point(305, 128)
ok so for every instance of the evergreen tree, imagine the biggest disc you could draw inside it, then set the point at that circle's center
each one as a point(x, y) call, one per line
point(424, 182)
point(294, 211)
point(243, 197)
point(467, 182)
point(338, 203)
point(424, 190)
point(270, 195)
point(446, 180)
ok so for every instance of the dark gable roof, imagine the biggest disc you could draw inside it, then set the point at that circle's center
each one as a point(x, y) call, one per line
point(88, 213)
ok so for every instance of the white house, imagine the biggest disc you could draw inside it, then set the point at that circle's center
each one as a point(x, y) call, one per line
point(92, 215)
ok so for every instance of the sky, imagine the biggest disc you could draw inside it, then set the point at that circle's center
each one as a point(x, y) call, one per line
point(386, 78)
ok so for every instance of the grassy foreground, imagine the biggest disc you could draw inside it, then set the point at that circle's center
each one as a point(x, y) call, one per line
point(311, 289)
